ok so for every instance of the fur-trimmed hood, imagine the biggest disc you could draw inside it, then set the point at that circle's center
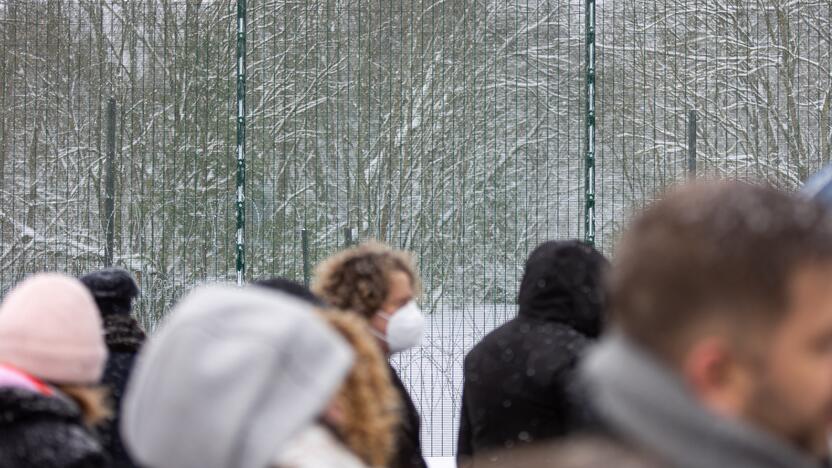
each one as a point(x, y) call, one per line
point(370, 404)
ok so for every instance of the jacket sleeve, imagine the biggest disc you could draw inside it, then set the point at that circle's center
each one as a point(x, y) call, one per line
point(464, 451)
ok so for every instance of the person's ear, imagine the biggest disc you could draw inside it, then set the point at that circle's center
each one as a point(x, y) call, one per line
point(716, 377)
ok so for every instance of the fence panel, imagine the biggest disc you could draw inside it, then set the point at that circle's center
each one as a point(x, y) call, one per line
point(452, 128)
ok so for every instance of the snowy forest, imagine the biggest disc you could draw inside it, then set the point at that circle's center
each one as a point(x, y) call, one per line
point(453, 128)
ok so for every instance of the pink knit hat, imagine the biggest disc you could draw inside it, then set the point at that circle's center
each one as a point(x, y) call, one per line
point(50, 328)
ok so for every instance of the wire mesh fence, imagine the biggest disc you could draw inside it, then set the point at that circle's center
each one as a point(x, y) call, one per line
point(455, 129)
point(757, 73)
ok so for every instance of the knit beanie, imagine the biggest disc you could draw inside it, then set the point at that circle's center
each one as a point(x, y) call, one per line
point(50, 328)
point(113, 289)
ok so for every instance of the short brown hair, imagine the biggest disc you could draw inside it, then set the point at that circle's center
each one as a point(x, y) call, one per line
point(713, 250)
point(358, 279)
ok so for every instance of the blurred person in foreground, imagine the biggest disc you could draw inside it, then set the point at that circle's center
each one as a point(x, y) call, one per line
point(365, 409)
point(231, 379)
point(721, 298)
point(819, 188)
point(114, 291)
point(52, 356)
point(380, 285)
point(520, 380)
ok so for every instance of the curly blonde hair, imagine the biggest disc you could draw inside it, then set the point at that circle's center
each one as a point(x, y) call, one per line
point(358, 279)
point(369, 401)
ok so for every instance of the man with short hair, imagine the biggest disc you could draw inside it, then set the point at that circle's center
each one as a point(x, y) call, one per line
point(721, 296)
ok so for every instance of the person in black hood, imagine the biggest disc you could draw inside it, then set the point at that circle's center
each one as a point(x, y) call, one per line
point(114, 291)
point(520, 380)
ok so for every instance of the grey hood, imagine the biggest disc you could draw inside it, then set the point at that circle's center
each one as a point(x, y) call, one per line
point(230, 378)
point(645, 403)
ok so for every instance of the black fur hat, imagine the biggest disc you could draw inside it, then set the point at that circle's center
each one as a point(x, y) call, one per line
point(113, 289)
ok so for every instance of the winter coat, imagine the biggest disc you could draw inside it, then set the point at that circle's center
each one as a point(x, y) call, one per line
point(39, 431)
point(124, 339)
point(317, 447)
point(409, 441)
point(520, 383)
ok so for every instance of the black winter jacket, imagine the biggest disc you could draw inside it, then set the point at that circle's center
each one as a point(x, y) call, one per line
point(409, 441)
point(520, 381)
point(38, 431)
point(124, 339)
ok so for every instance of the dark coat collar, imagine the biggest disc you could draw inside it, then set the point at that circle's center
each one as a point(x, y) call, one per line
point(18, 405)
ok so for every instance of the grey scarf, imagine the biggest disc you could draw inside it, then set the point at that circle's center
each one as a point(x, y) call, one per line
point(642, 401)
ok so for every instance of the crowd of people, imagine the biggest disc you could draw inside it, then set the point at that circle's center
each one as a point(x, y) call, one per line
point(705, 342)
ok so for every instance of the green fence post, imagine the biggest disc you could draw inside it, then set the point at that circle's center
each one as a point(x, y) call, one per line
point(348, 241)
point(304, 245)
point(692, 144)
point(241, 139)
point(589, 163)
point(110, 184)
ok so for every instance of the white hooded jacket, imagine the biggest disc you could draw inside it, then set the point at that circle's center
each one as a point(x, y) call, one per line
point(229, 379)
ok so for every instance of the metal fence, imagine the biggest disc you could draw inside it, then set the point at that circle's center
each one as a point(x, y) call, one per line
point(457, 129)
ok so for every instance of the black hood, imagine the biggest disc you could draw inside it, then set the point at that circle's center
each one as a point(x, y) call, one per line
point(563, 283)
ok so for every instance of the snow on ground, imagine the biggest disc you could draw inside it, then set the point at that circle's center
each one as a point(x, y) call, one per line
point(433, 374)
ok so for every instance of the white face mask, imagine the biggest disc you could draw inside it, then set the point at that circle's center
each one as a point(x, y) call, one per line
point(404, 328)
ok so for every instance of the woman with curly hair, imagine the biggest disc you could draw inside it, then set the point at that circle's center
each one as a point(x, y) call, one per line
point(380, 284)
